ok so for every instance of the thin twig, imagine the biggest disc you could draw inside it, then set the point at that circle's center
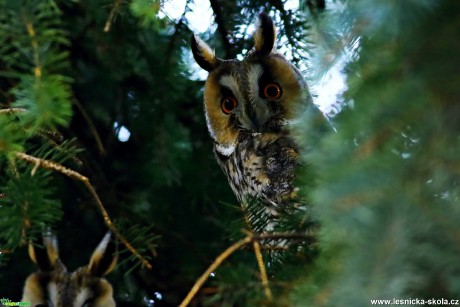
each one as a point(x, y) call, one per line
point(77, 176)
point(92, 127)
point(221, 258)
point(229, 251)
point(259, 258)
point(113, 11)
point(52, 138)
point(263, 271)
point(12, 110)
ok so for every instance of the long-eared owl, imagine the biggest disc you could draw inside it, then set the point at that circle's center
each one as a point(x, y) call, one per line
point(250, 106)
point(53, 285)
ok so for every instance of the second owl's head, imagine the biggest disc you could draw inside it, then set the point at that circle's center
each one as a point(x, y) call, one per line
point(263, 93)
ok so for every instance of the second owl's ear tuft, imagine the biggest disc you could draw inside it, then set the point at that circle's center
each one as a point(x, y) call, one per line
point(46, 257)
point(203, 54)
point(265, 35)
point(104, 258)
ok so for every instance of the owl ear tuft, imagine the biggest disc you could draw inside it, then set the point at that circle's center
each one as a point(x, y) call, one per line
point(104, 258)
point(203, 54)
point(46, 257)
point(265, 35)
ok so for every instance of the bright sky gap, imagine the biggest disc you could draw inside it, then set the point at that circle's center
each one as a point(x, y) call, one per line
point(328, 90)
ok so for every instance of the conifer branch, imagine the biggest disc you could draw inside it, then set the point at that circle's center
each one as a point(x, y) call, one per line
point(12, 110)
point(221, 258)
point(53, 138)
point(233, 248)
point(259, 258)
point(263, 271)
point(112, 13)
point(77, 176)
point(36, 52)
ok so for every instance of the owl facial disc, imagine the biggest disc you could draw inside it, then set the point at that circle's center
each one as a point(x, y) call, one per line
point(263, 93)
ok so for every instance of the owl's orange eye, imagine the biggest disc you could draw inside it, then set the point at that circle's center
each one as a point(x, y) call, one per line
point(272, 91)
point(228, 104)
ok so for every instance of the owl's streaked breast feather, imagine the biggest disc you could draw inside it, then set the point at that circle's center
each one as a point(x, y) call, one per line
point(262, 166)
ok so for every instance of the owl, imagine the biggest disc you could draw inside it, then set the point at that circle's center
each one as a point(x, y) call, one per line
point(53, 285)
point(250, 107)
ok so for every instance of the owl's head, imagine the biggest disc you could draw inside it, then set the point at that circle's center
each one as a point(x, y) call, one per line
point(53, 285)
point(263, 93)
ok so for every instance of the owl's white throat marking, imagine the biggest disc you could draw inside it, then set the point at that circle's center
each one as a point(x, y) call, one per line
point(82, 297)
point(53, 292)
point(225, 150)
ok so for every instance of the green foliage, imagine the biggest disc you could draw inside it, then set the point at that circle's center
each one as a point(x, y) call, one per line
point(34, 36)
point(10, 139)
point(28, 207)
point(142, 238)
point(388, 197)
point(147, 12)
point(46, 100)
point(380, 193)
point(33, 52)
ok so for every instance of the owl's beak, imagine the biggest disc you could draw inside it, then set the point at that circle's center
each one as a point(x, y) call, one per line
point(259, 114)
point(255, 115)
